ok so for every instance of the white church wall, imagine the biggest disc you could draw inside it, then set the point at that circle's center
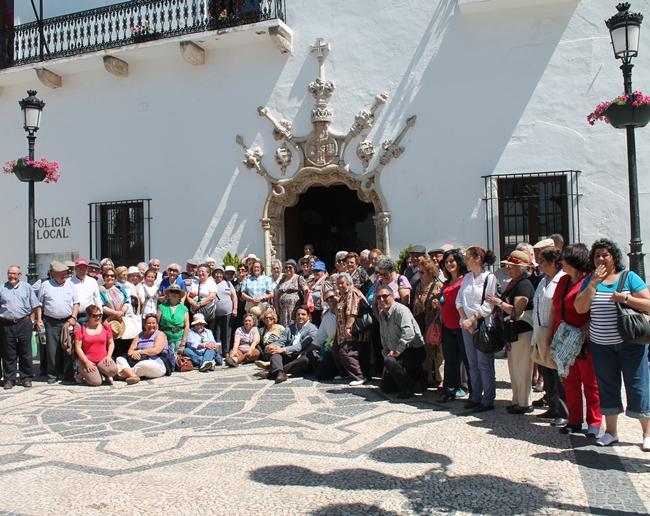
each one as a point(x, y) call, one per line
point(494, 91)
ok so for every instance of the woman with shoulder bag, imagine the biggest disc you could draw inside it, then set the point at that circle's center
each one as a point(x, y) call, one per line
point(425, 313)
point(517, 303)
point(472, 305)
point(575, 260)
point(453, 348)
point(551, 267)
point(202, 293)
point(613, 357)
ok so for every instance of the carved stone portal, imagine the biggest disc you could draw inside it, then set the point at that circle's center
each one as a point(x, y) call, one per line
point(322, 162)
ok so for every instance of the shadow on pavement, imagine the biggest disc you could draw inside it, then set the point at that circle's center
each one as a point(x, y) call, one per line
point(434, 490)
point(598, 460)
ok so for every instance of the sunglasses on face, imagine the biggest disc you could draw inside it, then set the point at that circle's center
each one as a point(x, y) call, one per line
point(109, 275)
point(383, 296)
point(94, 316)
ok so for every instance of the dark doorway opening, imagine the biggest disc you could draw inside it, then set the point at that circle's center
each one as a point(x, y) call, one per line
point(331, 218)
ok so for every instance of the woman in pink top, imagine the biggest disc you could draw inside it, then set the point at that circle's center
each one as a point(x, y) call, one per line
point(93, 344)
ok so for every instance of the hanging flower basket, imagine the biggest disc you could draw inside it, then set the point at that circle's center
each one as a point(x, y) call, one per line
point(628, 115)
point(624, 111)
point(33, 170)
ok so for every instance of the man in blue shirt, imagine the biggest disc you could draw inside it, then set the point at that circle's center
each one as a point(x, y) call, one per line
point(18, 302)
point(201, 347)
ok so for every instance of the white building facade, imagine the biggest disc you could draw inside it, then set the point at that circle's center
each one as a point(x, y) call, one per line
point(342, 123)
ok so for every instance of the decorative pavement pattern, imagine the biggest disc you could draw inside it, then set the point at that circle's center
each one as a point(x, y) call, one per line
point(229, 443)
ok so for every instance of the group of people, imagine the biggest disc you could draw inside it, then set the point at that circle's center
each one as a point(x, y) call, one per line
point(435, 322)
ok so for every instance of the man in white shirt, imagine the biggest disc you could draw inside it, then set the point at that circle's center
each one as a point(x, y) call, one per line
point(58, 297)
point(154, 265)
point(86, 287)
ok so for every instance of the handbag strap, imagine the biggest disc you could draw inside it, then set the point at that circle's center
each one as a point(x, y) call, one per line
point(485, 287)
point(564, 296)
point(621, 281)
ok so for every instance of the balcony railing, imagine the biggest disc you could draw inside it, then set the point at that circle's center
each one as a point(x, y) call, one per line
point(127, 23)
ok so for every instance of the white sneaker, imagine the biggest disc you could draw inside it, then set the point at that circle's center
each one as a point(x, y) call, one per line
point(357, 383)
point(607, 440)
point(208, 365)
point(646, 444)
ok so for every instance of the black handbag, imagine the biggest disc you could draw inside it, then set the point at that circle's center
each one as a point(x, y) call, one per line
point(488, 338)
point(632, 324)
point(510, 332)
point(364, 320)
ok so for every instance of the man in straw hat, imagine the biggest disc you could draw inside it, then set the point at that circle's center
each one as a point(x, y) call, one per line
point(201, 347)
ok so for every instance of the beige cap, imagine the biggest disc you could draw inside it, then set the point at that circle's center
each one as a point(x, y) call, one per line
point(57, 266)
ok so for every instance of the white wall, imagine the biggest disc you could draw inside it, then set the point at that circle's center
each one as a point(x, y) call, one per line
point(501, 91)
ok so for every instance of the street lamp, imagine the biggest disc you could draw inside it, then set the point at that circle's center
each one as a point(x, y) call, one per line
point(625, 29)
point(32, 108)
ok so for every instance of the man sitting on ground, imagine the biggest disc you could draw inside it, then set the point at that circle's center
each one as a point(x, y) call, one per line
point(201, 348)
point(298, 338)
point(402, 345)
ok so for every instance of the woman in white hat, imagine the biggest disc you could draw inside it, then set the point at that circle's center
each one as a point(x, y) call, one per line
point(516, 303)
point(201, 346)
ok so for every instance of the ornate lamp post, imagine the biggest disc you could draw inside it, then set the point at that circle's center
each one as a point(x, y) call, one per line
point(624, 29)
point(32, 108)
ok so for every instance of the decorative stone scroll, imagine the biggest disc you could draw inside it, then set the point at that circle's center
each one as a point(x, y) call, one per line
point(321, 156)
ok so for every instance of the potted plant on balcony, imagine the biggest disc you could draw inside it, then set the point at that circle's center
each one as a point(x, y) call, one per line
point(143, 32)
point(27, 170)
point(624, 111)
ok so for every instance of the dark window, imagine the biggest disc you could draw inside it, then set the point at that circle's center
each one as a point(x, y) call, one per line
point(120, 230)
point(531, 207)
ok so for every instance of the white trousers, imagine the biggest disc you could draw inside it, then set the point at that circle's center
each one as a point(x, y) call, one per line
point(144, 368)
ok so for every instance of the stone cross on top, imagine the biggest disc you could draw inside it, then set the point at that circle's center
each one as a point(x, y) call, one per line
point(321, 48)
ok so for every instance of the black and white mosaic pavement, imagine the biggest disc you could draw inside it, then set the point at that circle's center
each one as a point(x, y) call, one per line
point(229, 443)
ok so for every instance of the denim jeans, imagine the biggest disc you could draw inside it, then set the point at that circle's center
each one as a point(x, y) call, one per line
point(481, 372)
point(630, 360)
point(198, 356)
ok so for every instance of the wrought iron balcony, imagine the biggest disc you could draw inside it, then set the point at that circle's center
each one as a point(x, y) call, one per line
point(125, 24)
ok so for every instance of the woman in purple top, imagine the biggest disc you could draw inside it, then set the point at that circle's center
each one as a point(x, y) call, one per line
point(387, 276)
point(143, 357)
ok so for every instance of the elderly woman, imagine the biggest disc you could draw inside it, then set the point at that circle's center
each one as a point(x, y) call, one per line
point(225, 307)
point(201, 347)
point(116, 304)
point(173, 317)
point(550, 265)
point(473, 307)
point(359, 275)
point(453, 348)
point(613, 356)
point(350, 349)
point(144, 355)
point(516, 303)
point(387, 276)
point(202, 293)
point(276, 272)
point(121, 276)
point(173, 278)
point(288, 293)
point(425, 311)
point(316, 287)
point(257, 289)
point(133, 288)
point(271, 333)
point(245, 346)
point(93, 344)
point(581, 377)
point(238, 282)
point(149, 299)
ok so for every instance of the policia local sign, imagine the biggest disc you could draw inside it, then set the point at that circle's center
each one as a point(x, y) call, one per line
point(52, 228)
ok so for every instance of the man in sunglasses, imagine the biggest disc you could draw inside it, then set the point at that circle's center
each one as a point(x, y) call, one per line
point(402, 345)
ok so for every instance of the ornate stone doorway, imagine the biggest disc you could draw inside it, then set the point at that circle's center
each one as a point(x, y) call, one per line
point(322, 163)
point(332, 218)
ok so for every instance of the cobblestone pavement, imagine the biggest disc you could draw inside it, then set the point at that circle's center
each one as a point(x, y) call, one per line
point(229, 443)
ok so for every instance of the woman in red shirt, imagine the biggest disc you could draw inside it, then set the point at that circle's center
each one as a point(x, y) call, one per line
point(93, 344)
point(575, 262)
point(453, 348)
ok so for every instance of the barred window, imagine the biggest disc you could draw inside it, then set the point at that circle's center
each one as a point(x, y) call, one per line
point(531, 207)
point(120, 230)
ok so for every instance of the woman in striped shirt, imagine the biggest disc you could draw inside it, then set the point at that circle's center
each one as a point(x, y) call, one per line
point(611, 355)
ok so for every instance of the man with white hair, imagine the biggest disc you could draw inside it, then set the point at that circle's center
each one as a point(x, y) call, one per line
point(154, 265)
point(18, 302)
point(87, 288)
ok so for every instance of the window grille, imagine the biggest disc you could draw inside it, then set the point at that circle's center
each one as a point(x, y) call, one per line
point(121, 230)
point(530, 207)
